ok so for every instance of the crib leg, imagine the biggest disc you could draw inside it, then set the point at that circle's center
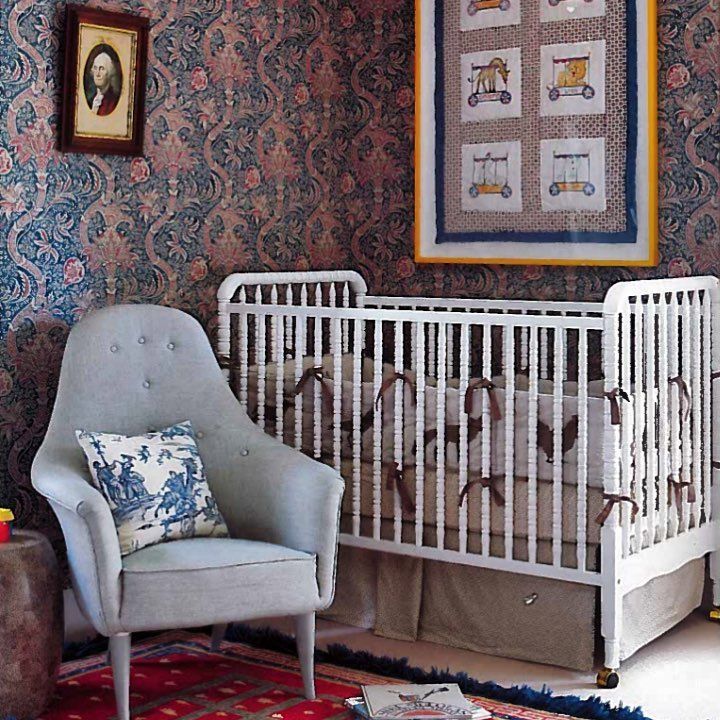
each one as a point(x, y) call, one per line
point(715, 579)
point(611, 627)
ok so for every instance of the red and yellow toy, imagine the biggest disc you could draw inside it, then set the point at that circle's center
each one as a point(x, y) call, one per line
point(6, 518)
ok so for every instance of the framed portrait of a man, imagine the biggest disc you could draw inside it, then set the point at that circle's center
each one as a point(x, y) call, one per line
point(104, 91)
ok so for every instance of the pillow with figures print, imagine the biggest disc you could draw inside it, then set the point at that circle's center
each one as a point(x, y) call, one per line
point(155, 485)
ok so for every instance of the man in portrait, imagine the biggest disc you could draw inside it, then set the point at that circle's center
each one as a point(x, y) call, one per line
point(105, 87)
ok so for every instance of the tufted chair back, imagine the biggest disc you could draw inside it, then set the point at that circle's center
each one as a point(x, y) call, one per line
point(133, 368)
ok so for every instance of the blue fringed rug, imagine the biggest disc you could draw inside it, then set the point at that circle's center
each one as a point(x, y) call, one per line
point(513, 703)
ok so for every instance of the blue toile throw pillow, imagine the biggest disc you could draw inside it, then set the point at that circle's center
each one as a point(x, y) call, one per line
point(155, 485)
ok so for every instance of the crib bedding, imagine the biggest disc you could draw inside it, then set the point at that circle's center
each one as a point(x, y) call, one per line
point(472, 502)
point(454, 402)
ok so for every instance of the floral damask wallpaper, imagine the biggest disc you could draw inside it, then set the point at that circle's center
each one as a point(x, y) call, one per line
point(279, 135)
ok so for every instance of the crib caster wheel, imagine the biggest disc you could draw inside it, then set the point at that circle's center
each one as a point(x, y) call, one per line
point(714, 615)
point(608, 679)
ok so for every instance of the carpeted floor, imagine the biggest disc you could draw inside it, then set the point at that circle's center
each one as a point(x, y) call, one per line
point(176, 675)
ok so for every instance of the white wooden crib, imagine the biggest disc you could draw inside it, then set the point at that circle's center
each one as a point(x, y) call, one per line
point(564, 426)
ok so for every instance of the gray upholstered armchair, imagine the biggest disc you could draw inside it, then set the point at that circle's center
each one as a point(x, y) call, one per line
point(131, 368)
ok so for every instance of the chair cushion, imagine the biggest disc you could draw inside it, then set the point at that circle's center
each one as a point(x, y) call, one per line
point(155, 485)
point(202, 581)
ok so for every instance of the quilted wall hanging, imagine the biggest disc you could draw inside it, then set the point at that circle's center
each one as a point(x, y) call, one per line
point(536, 132)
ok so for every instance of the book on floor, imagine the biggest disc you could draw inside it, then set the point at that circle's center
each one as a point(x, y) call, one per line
point(441, 701)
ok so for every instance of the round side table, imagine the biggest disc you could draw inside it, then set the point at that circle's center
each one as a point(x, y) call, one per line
point(31, 625)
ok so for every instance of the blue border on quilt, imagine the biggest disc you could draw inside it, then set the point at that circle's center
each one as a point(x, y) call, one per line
point(627, 236)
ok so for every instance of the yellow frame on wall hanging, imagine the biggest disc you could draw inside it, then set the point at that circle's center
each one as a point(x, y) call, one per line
point(643, 252)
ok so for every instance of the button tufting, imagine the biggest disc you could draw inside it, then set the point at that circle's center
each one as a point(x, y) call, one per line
point(244, 452)
point(146, 384)
point(141, 340)
point(113, 348)
point(200, 434)
point(171, 346)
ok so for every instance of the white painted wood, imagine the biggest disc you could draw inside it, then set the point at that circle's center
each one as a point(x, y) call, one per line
point(663, 416)
point(509, 420)
point(685, 417)
point(243, 351)
point(377, 429)
point(485, 467)
point(336, 350)
point(558, 378)
point(695, 385)
point(279, 354)
point(638, 486)
point(651, 416)
point(358, 334)
point(463, 436)
point(442, 332)
point(533, 401)
point(398, 407)
point(338, 327)
point(419, 433)
point(582, 450)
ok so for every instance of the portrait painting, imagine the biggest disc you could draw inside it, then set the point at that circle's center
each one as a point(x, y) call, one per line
point(103, 98)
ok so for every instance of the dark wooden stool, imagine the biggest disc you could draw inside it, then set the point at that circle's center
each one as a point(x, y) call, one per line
point(31, 625)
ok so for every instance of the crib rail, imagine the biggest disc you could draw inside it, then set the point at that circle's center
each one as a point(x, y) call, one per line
point(519, 436)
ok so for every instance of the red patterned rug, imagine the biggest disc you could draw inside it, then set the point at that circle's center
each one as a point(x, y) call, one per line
point(176, 675)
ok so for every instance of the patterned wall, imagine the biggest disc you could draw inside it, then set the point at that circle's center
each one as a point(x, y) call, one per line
point(279, 135)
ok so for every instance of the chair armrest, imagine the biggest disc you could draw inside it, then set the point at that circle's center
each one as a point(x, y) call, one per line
point(287, 498)
point(90, 536)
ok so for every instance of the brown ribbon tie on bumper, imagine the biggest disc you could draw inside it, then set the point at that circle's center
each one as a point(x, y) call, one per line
point(675, 488)
point(486, 482)
point(389, 381)
point(682, 385)
point(612, 500)
point(483, 384)
point(613, 396)
point(315, 373)
point(395, 479)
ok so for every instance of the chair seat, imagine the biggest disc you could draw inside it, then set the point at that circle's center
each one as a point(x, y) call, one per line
point(203, 581)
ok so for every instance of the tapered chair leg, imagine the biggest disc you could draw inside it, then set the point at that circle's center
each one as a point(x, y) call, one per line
point(218, 635)
point(305, 640)
point(119, 649)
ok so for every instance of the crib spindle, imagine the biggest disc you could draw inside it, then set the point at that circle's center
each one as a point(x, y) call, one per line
point(463, 435)
point(696, 395)
point(485, 460)
point(398, 406)
point(273, 324)
point(582, 450)
point(377, 430)
point(663, 417)
point(442, 333)
point(685, 473)
point(650, 414)
point(419, 433)
point(336, 351)
point(533, 400)
point(243, 350)
point(289, 340)
point(558, 377)
point(346, 323)
point(260, 353)
point(317, 389)
point(300, 331)
point(357, 334)
point(706, 401)
point(450, 351)
point(279, 344)
point(638, 488)
point(626, 427)
point(509, 420)
point(675, 431)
